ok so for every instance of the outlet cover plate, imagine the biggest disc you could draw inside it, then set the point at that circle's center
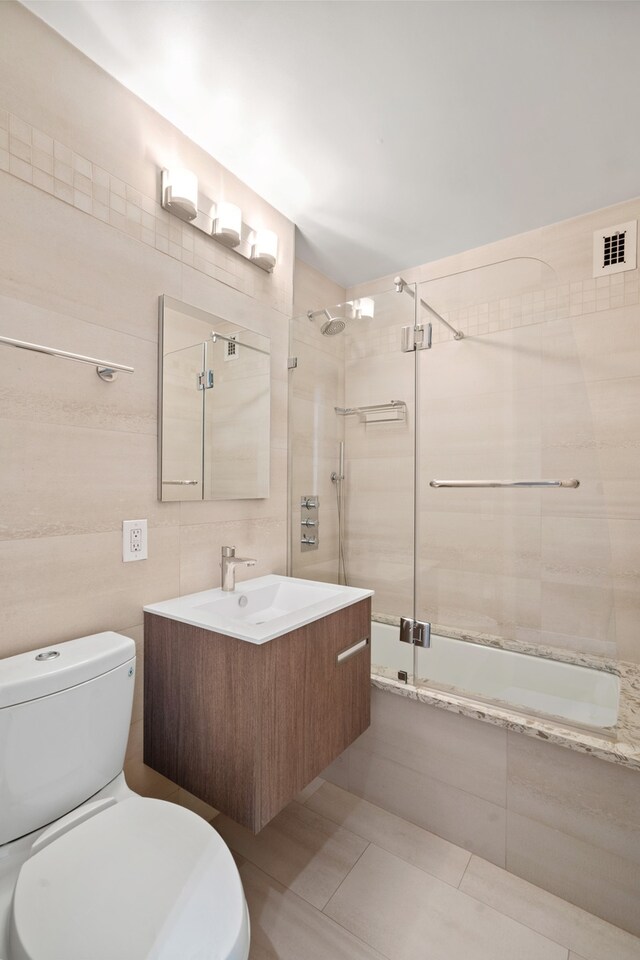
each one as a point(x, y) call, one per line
point(134, 540)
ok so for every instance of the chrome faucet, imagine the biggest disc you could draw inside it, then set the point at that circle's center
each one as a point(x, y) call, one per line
point(229, 562)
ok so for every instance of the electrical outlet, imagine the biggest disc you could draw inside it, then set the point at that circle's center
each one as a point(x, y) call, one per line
point(134, 540)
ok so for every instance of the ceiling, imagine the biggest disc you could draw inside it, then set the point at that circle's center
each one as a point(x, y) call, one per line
point(391, 133)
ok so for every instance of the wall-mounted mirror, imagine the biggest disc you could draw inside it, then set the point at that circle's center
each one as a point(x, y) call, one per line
point(214, 407)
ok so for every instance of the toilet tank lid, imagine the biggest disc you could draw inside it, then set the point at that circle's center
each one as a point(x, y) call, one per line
point(39, 673)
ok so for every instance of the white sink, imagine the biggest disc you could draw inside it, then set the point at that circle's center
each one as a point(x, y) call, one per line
point(261, 609)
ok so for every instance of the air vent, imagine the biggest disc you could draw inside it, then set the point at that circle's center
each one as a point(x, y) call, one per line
point(231, 349)
point(614, 249)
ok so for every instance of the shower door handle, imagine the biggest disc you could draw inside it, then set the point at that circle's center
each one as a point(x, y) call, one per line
point(417, 632)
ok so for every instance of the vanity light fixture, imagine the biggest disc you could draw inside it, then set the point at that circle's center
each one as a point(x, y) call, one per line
point(227, 224)
point(223, 222)
point(363, 308)
point(180, 193)
point(264, 249)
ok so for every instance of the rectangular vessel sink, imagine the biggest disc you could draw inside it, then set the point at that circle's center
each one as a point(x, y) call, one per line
point(261, 609)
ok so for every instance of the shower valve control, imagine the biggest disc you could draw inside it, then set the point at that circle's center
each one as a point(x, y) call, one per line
point(309, 506)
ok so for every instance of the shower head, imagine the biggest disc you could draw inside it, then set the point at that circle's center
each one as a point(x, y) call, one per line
point(331, 326)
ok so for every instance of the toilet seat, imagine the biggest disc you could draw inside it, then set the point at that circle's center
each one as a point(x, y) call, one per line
point(141, 880)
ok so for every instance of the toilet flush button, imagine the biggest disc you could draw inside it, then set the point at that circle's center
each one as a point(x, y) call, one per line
point(48, 655)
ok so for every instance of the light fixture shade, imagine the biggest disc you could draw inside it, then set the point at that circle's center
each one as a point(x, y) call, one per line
point(364, 308)
point(264, 249)
point(227, 224)
point(180, 193)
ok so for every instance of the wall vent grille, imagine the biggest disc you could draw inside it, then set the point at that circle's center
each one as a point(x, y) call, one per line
point(614, 249)
point(231, 351)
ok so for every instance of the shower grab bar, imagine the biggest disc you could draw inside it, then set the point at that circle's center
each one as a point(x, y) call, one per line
point(105, 370)
point(398, 405)
point(181, 483)
point(504, 483)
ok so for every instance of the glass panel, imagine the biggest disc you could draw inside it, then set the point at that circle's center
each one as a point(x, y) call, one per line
point(182, 420)
point(237, 415)
point(509, 402)
point(215, 406)
point(366, 520)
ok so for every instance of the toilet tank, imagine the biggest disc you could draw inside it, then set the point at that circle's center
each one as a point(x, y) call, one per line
point(64, 724)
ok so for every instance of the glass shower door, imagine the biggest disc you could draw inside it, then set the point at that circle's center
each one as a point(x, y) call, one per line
point(528, 567)
point(478, 572)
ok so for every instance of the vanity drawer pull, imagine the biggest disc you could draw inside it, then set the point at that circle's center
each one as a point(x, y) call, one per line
point(352, 650)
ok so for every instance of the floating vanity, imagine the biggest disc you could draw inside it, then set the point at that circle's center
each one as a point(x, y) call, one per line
point(250, 694)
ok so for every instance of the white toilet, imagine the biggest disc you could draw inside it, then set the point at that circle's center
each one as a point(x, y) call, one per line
point(88, 869)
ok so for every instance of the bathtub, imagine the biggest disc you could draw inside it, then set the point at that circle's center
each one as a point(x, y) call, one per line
point(581, 696)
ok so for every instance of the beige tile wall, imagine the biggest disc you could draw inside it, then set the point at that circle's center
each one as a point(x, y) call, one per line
point(85, 252)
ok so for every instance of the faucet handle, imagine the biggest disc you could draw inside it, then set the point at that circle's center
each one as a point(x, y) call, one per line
point(228, 551)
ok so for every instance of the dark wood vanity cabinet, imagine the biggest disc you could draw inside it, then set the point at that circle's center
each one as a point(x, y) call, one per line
point(246, 726)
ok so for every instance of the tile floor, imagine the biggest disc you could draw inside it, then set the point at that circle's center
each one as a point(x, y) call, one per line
point(334, 877)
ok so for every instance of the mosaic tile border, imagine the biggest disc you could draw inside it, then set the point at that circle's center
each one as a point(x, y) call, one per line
point(53, 167)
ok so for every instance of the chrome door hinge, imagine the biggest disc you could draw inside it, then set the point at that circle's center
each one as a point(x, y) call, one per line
point(292, 363)
point(416, 338)
point(205, 380)
point(417, 632)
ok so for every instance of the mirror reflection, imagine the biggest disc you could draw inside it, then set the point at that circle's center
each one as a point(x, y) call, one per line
point(214, 407)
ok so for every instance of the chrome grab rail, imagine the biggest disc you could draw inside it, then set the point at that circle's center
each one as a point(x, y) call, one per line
point(504, 483)
point(181, 483)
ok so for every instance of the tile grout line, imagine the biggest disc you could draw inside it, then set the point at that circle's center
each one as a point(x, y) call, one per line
point(522, 923)
point(393, 852)
point(463, 892)
point(324, 915)
point(351, 869)
point(464, 872)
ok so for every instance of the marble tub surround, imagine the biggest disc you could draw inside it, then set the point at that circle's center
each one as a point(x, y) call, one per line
point(619, 745)
point(335, 876)
point(565, 820)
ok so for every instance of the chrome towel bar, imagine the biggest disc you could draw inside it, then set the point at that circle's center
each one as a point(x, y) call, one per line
point(104, 369)
point(504, 483)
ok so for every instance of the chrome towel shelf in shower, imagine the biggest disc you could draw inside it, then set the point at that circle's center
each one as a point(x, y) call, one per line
point(391, 412)
point(504, 483)
point(107, 371)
